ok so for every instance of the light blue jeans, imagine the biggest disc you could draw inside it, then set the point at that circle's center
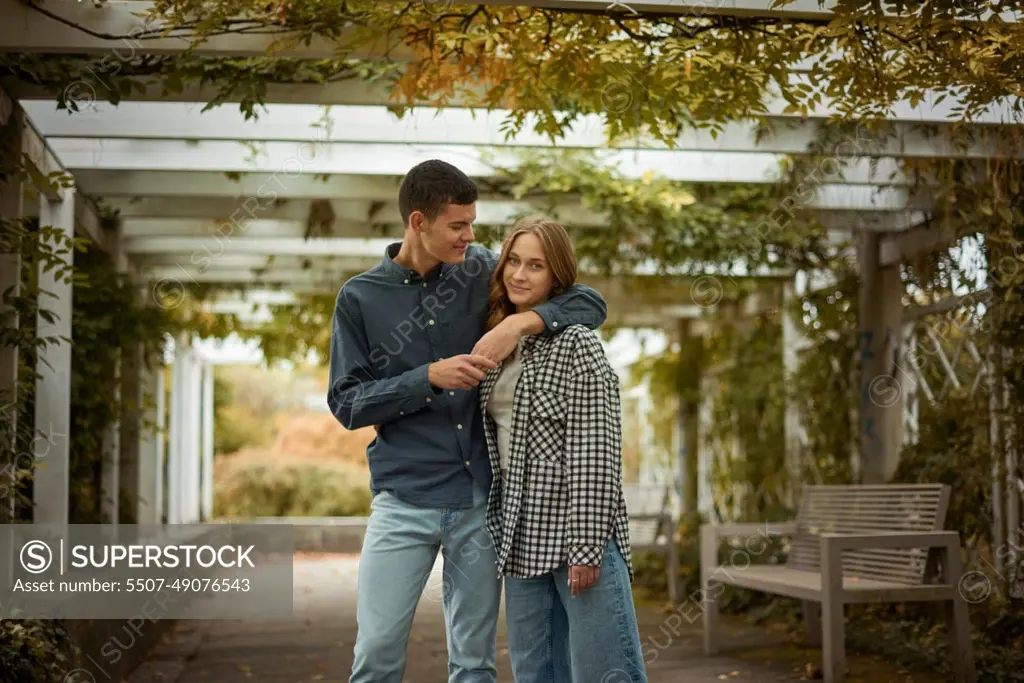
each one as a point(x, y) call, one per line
point(395, 569)
point(554, 637)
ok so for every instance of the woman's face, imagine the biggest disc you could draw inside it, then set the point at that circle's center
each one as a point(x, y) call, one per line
point(527, 277)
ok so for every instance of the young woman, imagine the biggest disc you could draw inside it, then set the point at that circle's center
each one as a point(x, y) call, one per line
point(556, 512)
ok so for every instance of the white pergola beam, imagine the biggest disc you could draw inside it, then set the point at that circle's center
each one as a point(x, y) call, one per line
point(213, 251)
point(873, 221)
point(934, 107)
point(38, 154)
point(204, 216)
point(241, 222)
point(256, 297)
point(149, 236)
point(35, 152)
point(270, 246)
point(619, 315)
point(910, 244)
point(255, 262)
point(120, 30)
point(138, 228)
point(255, 195)
point(187, 274)
point(673, 289)
point(261, 190)
point(293, 160)
point(376, 125)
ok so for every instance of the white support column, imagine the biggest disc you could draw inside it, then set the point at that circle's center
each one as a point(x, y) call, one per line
point(130, 435)
point(176, 442)
point(691, 350)
point(10, 279)
point(650, 468)
point(1013, 494)
point(792, 340)
point(207, 450)
point(125, 389)
point(53, 390)
point(881, 331)
point(110, 467)
point(908, 381)
point(192, 441)
point(889, 392)
point(11, 205)
point(149, 504)
point(994, 442)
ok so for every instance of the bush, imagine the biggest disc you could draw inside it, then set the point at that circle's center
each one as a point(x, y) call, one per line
point(258, 485)
point(33, 650)
point(238, 427)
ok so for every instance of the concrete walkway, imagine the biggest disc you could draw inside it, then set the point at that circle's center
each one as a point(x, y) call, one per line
point(316, 645)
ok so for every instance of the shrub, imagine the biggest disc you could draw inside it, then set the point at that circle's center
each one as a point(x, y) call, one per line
point(253, 484)
point(33, 650)
point(237, 427)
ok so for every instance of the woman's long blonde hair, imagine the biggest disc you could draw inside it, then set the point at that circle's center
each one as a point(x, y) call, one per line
point(558, 252)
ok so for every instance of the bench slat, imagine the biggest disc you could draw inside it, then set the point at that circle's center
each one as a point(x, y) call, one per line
point(806, 585)
point(868, 509)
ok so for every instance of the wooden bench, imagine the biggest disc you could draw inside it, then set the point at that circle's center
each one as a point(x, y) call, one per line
point(848, 544)
point(652, 528)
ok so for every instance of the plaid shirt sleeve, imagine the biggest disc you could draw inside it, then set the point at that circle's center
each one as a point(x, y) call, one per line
point(593, 454)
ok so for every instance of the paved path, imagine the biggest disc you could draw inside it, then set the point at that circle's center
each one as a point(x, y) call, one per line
point(316, 645)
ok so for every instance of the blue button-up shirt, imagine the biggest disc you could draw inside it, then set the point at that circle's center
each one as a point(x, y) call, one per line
point(390, 323)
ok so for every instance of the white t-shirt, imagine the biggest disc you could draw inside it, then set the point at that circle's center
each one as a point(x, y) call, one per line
point(499, 404)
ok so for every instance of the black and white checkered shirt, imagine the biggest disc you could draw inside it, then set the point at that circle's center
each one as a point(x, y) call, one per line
point(562, 499)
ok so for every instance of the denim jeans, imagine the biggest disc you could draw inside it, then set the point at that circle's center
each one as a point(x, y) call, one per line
point(554, 637)
point(397, 559)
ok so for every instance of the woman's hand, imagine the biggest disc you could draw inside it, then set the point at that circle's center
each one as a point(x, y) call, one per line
point(582, 577)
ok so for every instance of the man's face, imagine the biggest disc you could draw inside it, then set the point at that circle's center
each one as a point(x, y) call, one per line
point(449, 235)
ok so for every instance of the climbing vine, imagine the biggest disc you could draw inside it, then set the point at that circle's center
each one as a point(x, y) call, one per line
point(109, 318)
point(38, 249)
point(77, 82)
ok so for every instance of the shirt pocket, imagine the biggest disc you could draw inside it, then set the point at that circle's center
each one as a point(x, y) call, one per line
point(461, 333)
point(549, 413)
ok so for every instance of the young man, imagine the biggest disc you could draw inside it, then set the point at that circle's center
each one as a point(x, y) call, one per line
point(407, 355)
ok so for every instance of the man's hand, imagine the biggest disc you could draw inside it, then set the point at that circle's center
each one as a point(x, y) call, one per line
point(582, 577)
point(459, 372)
point(502, 340)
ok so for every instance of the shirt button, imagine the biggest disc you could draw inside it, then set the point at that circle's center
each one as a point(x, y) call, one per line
point(431, 322)
point(424, 284)
point(401, 412)
point(451, 393)
point(406, 282)
point(554, 323)
point(460, 426)
point(428, 400)
point(467, 463)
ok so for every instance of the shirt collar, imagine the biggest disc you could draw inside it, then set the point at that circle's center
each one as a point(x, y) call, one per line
point(408, 274)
